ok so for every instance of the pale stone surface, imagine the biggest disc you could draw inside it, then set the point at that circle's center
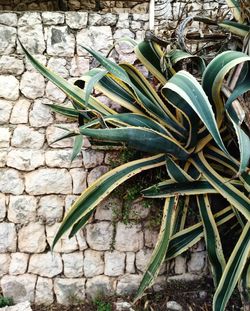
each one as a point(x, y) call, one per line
point(20, 287)
point(11, 65)
point(4, 264)
point(5, 137)
point(18, 263)
point(26, 137)
point(124, 47)
point(198, 247)
point(53, 133)
point(50, 208)
point(37, 44)
point(95, 173)
point(2, 206)
point(62, 158)
point(22, 306)
point(73, 264)
point(31, 238)
point(130, 262)
point(81, 240)
point(11, 181)
point(7, 39)
point(29, 18)
point(69, 291)
point(9, 19)
point(22, 209)
point(40, 114)
point(99, 286)
point(20, 111)
point(150, 237)
point(128, 284)
point(32, 85)
point(76, 20)
point(97, 19)
point(114, 263)
point(5, 110)
point(48, 264)
point(25, 159)
point(47, 181)
point(69, 200)
point(123, 21)
point(9, 87)
point(54, 93)
point(79, 66)
point(108, 209)
point(180, 265)
point(99, 235)
point(197, 262)
point(134, 237)
point(92, 158)
point(44, 291)
point(41, 58)
point(142, 259)
point(174, 306)
point(3, 157)
point(58, 65)
point(79, 177)
point(93, 263)
point(52, 18)
point(60, 42)
point(138, 211)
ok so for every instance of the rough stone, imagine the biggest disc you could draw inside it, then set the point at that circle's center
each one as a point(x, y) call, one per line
point(24, 159)
point(180, 265)
point(142, 259)
point(73, 264)
point(9, 86)
point(99, 235)
point(32, 85)
point(93, 263)
point(4, 264)
point(3, 158)
point(197, 262)
point(8, 19)
point(96, 173)
point(58, 65)
point(54, 93)
point(128, 284)
point(79, 177)
point(30, 18)
point(150, 237)
point(26, 137)
point(108, 208)
point(20, 111)
point(52, 18)
point(20, 287)
point(114, 263)
point(77, 20)
point(7, 39)
point(50, 208)
point(5, 137)
point(48, 265)
point(174, 306)
point(22, 306)
point(53, 133)
point(37, 243)
point(138, 211)
point(79, 66)
point(92, 158)
point(99, 286)
point(134, 237)
point(2, 206)
point(11, 65)
point(37, 44)
point(18, 263)
point(22, 209)
point(124, 47)
point(130, 262)
point(123, 21)
point(81, 240)
point(41, 58)
point(107, 19)
point(69, 291)
point(60, 42)
point(5, 110)
point(44, 291)
point(11, 181)
point(47, 181)
point(62, 158)
point(40, 114)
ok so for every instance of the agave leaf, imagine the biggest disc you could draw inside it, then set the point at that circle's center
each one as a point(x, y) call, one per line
point(234, 6)
point(244, 283)
point(68, 112)
point(77, 146)
point(235, 28)
point(176, 173)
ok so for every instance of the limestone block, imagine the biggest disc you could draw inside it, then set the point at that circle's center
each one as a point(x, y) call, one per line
point(92, 158)
point(93, 263)
point(24, 159)
point(99, 235)
point(22, 209)
point(50, 208)
point(140, 17)
point(32, 85)
point(48, 265)
point(9, 86)
point(174, 306)
point(41, 58)
point(123, 21)
point(69, 200)
point(81, 240)
point(37, 44)
point(73, 264)
point(198, 247)
point(20, 287)
point(26, 137)
point(5, 110)
point(2, 206)
point(52, 18)
point(128, 284)
point(160, 283)
point(138, 211)
point(44, 291)
point(60, 42)
point(98, 37)
point(130, 262)
point(69, 291)
point(136, 25)
point(128, 237)
point(180, 265)
point(47, 181)
point(124, 47)
point(62, 158)
point(53, 133)
point(111, 158)
point(11, 65)
point(107, 19)
point(197, 262)
point(11, 181)
point(96, 173)
point(151, 236)
point(20, 111)
point(5, 137)
point(3, 157)
point(114, 263)
point(79, 176)
point(31, 238)
point(142, 259)
point(99, 286)
point(40, 114)
point(108, 209)
point(7, 39)
point(18, 263)
point(79, 66)
point(76, 20)
point(58, 65)
point(54, 93)
point(8, 19)
point(22, 306)
point(29, 18)
point(4, 264)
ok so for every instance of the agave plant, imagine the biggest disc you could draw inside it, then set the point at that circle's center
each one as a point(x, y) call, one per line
point(189, 129)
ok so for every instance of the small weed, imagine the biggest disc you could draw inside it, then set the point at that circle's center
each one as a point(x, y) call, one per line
point(6, 301)
point(102, 305)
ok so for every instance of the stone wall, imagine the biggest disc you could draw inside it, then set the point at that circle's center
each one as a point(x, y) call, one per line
point(38, 182)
